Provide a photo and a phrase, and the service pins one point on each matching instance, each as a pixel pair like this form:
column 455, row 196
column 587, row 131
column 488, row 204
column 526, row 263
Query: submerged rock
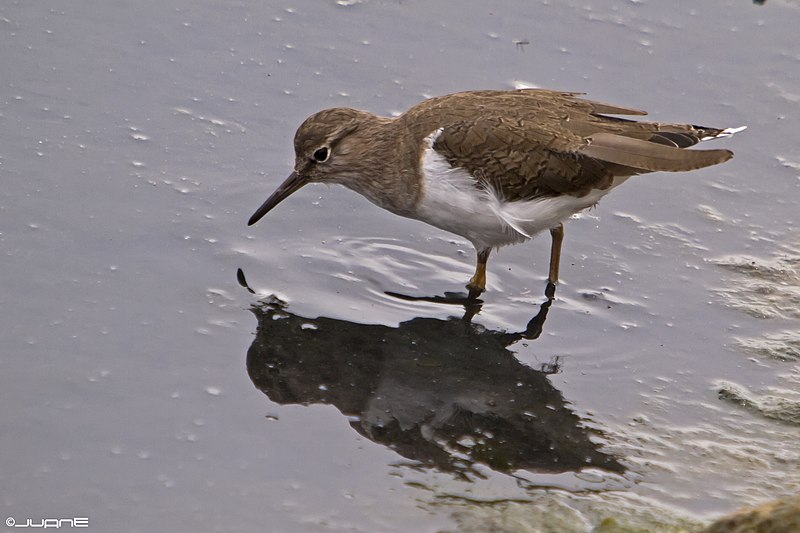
column 781, row 516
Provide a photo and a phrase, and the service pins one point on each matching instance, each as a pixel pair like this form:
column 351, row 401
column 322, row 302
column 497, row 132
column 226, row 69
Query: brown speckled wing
column 519, row 161
column 532, row 143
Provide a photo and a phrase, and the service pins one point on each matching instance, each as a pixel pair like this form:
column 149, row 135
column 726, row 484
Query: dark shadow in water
column 445, row 393
column 472, row 305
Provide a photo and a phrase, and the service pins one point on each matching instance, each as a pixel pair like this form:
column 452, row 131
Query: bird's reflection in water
column 447, row 394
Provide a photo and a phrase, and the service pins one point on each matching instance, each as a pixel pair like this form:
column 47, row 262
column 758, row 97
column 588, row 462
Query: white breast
column 452, row 202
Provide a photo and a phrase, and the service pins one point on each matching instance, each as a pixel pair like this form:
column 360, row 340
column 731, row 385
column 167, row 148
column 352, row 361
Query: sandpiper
column 496, row 167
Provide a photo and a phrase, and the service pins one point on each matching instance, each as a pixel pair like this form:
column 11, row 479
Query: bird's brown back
column 534, row 142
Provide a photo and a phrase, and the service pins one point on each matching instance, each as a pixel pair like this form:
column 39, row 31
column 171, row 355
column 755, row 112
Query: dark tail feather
column 651, row 156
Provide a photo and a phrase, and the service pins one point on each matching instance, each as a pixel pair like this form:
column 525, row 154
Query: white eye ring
column 321, row 155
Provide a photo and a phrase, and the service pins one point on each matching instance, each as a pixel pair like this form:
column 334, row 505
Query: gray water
column 144, row 388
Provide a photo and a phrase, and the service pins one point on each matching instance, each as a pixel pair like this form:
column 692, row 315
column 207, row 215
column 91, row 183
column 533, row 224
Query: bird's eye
column 320, row 154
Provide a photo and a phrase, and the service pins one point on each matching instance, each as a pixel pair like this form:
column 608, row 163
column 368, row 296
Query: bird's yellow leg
column 557, row 234
column 477, row 284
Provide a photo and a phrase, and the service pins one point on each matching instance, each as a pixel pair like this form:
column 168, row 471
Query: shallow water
column 145, row 388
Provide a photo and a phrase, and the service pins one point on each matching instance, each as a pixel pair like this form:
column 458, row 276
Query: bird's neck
column 385, row 165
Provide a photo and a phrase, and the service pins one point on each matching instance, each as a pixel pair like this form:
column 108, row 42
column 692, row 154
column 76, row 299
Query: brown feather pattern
column 533, row 142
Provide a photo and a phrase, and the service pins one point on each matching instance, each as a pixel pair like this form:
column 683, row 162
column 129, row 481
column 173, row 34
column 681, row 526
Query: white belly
column 453, row 203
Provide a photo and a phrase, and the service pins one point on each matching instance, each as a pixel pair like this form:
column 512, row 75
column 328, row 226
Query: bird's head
column 330, row 147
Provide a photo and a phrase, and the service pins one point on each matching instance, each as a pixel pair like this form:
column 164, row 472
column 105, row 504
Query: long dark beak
column 292, row 183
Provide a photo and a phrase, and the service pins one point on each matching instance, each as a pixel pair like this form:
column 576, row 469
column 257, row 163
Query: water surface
column 145, row 388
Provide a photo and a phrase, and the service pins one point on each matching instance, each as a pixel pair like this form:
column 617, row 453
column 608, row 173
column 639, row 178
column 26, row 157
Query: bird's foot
column 550, row 290
column 474, row 291
column 477, row 283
